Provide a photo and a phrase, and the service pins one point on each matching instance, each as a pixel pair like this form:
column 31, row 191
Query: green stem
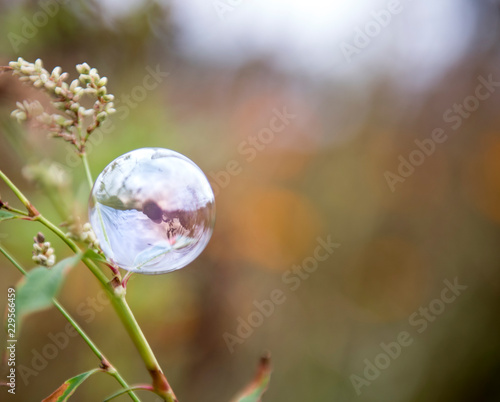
column 85, row 161
column 15, row 210
column 109, row 368
column 160, row 383
column 31, row 210
column 13, row 261
column 117, row 296
column 105, row 362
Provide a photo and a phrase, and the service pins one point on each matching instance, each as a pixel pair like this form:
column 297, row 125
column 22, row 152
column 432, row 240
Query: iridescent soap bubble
column 152, row 210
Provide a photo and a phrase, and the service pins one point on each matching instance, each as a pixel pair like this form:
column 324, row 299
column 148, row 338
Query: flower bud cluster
column 66, row 124
column 43, row 253
column 84, row 234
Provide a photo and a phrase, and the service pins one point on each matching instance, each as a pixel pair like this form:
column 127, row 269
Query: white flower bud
column 51, row 260
column 21, row 116
column 58, row 119
column 101, row 117
column 103, row 81
column 84, row 78
column 27, row 70
column 56, row 72
column 60, row 105
column 83, row 68
column 73, row 86
column 50, row 85
column 45, row 118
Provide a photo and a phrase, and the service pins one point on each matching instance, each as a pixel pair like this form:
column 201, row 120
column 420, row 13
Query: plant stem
column 15, row 210
column 160, row 383
column 109, row 368
column 105, row 362
column 85, row 161
column 30, row 208
column 13, row 261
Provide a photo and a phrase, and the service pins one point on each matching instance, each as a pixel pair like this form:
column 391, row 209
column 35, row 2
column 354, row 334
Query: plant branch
column 106, row 365
column 7, row 207
column 13, row 261
column 160, row 383
column 30, row 208
column 117, row 296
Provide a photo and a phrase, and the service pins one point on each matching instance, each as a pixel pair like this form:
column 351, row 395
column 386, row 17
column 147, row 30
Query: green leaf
column 67, row 389
column 37, row 289
column 254, row 391
column 6, row 215
column 93, row 255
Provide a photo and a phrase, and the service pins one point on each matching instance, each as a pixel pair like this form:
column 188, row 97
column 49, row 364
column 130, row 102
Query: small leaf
column 63, row 393
column 94, row 256
column 254, row 391
column 37, row 289
column 6, row 215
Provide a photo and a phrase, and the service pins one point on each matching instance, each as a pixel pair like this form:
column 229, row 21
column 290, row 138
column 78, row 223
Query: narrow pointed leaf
column 254, row 391
column 5, row 215
column 37, row 289
column 67, row 389
column 94, row 256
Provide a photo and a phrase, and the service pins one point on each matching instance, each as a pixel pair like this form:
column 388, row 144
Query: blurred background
column 357, row 85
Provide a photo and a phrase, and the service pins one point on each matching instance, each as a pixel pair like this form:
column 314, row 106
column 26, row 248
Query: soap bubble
column 152, row 210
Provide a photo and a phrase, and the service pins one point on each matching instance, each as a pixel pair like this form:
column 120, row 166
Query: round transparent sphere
column 152, row 210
